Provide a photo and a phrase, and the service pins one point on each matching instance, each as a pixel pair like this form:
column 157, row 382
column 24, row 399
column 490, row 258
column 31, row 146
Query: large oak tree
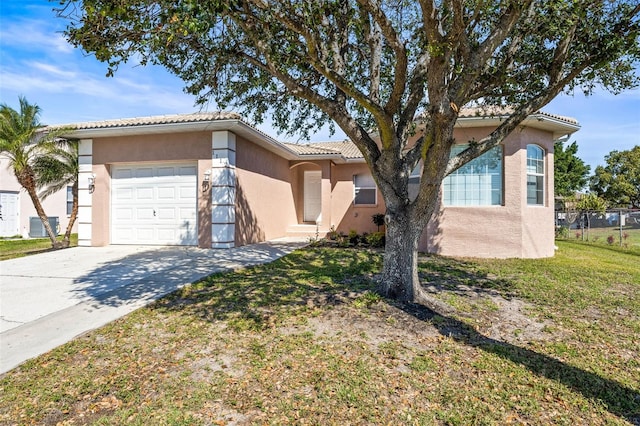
column 399, row 67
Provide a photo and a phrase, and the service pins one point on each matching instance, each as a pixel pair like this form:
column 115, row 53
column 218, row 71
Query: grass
column 610, row 236
column 304, row 340
column 11, row 249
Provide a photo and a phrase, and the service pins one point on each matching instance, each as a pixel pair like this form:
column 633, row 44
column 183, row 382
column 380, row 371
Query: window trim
column 357, row 188
column 537, row 174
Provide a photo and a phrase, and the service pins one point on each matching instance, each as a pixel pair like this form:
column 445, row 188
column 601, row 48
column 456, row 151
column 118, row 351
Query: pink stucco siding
column 514, row 229
column 54, row 206
column 265, row 204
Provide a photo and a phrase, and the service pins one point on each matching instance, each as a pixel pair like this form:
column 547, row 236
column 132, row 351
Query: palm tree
column 57, row 168
column 19, row 132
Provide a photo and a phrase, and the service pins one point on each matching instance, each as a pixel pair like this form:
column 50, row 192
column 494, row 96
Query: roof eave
column 557, row 127
column 233, row 125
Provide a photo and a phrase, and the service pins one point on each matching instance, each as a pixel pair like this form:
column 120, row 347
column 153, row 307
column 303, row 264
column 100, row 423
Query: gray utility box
column 36, row 228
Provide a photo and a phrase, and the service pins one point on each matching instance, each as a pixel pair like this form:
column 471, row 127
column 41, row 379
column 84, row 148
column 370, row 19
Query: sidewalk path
column 49, row 298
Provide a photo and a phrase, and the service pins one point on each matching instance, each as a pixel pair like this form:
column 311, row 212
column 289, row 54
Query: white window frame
column 369, row 185
column 536, row 168
column 456, row 193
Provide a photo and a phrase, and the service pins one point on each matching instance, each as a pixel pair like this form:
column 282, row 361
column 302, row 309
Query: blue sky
column 70, row 86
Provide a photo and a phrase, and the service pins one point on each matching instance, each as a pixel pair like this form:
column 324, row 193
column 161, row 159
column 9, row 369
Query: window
column 365, row 190
column 477, row 183
column 414, row 182
column 535, row 175
column 69, row 200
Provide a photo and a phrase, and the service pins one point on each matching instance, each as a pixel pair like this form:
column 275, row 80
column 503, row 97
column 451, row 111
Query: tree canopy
column 571, row 174
column 381, row 70
column 618, row 181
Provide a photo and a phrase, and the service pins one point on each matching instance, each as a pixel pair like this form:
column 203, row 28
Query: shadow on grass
column 255, row 298
column 616, row 398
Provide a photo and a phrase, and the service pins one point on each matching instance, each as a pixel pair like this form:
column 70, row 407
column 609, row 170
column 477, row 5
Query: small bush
column 378, row 220
column 611, row 239
column 376, row 239
column 354, row 238
column 562, row 232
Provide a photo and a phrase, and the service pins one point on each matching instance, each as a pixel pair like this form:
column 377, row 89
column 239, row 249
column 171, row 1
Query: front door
column 312, row 195
column 9, row 214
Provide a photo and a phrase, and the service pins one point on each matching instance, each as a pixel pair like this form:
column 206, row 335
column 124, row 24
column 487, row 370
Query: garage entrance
column 154, row 204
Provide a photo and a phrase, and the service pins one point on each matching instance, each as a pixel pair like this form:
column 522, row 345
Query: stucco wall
column 345, row 215
column 511, row 230
column 264, row 197
column 54, row 205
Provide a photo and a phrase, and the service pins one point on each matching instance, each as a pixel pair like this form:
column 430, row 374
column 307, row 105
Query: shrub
column 378, row 220
column 354, row 238
column 376, row 239
column 562, row 232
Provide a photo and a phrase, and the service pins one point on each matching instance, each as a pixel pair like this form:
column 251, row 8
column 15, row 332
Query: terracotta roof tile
column 158, row 119
column 347, row 148
column 495, row 111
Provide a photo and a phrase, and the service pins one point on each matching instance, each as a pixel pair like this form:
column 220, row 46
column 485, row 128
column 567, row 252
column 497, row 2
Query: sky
column 71, row 86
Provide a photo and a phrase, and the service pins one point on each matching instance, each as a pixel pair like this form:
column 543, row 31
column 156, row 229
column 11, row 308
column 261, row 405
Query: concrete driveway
column 48, row 299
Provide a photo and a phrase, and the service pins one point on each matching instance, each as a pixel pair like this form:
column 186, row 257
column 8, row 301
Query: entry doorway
column 312, row 195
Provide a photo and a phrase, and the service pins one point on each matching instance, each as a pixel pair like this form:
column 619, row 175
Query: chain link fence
column 613, row 227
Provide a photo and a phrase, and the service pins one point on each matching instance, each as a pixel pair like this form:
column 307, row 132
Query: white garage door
column 154, row 204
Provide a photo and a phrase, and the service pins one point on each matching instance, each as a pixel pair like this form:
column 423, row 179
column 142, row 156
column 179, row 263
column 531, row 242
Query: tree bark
column 400, row 272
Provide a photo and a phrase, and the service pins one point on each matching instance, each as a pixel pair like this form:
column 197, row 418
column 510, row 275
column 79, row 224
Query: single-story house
column 212, row 180
column 18, row 217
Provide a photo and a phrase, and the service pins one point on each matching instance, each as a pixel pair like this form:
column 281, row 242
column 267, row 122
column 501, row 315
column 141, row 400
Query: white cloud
column 30, row 34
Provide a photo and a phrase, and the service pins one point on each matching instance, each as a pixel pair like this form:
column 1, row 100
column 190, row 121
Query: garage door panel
column 187, row 214
column 167, row 193
column 143, row 213
column 144, row 172
column 167, row 213
column 154, row 204
column 187, row 193
column 122, row 173
column 122, row 193
column 124, row 213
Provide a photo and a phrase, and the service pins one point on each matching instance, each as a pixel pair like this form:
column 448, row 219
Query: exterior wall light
column 92, row 183
column 206, row 180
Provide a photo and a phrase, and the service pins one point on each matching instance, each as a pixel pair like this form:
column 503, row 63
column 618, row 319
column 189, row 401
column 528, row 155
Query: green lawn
column 10, row 249
column 609, row 236
column 304, row 340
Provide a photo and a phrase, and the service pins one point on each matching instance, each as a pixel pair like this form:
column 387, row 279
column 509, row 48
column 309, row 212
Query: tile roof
column 347, row 148
column 495, row 111
column 309, row 149
column 158, row 119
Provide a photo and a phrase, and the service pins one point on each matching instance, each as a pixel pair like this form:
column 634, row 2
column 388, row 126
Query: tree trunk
column 400, row 272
